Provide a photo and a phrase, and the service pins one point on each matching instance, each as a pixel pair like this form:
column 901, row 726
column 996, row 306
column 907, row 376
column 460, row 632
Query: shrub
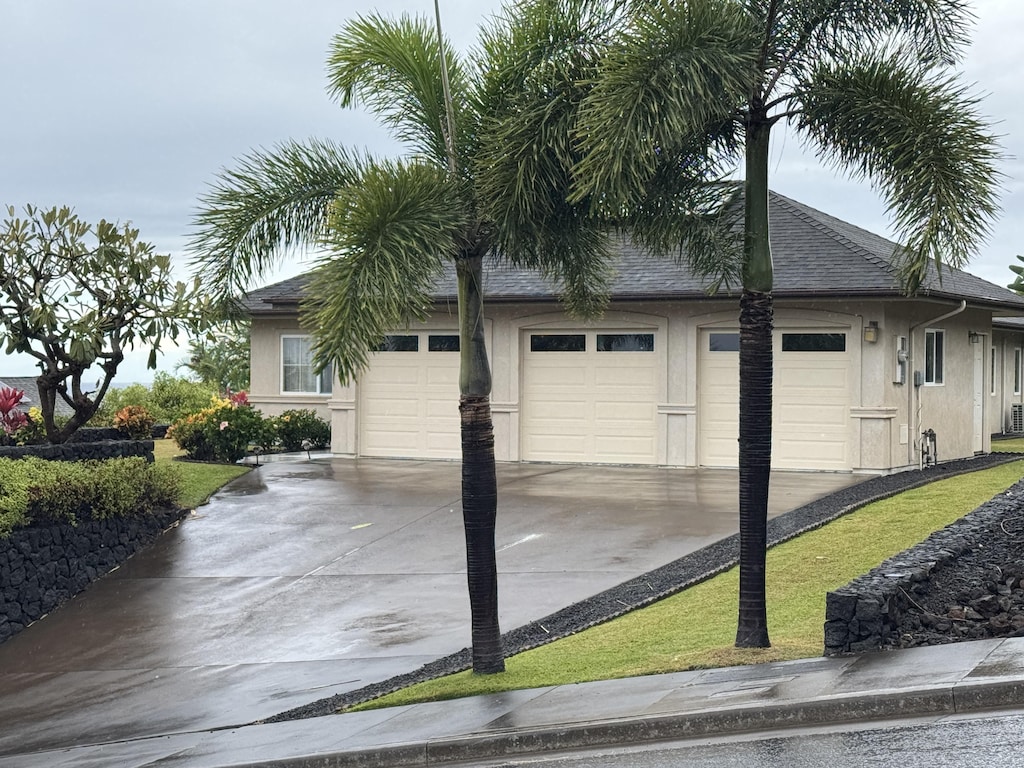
column 294, row 426
column 136, row 421
column 168, row 399
column 222, row 432
column 35, row 489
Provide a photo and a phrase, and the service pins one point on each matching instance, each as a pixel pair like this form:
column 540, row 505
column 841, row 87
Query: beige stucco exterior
column 883, row 418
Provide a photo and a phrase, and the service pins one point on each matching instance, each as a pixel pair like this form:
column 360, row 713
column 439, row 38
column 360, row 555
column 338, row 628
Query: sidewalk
column 922, row 682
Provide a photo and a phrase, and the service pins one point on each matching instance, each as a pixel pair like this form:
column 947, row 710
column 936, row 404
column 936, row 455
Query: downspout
column 912, row 394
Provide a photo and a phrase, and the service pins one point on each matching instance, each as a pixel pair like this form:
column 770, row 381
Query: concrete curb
column 929, row 700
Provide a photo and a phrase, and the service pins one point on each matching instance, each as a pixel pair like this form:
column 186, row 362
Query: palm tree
column 388, row 228
column 689, row 92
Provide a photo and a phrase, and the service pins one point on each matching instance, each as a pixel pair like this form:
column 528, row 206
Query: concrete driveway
column 305, row 579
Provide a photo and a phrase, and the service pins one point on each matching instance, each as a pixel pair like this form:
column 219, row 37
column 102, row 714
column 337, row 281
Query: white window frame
column 324, row 382
column 934, row 364
column 1018, row 371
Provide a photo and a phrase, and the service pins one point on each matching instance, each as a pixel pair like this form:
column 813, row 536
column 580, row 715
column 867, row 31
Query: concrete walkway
column 932, row 683
column 306, row 579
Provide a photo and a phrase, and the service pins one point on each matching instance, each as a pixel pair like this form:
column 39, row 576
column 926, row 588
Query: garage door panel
column 573, row 447
column 630, row 378
column 822, row 417
column 387, row 407
column 613, row 412
column 589, row 406
column 553, row 411
column 447, row 376
column 409, row 404
column 442, row 409
column 627, row 446
column 810, row 415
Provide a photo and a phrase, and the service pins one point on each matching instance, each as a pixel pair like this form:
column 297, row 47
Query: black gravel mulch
column 660, row 583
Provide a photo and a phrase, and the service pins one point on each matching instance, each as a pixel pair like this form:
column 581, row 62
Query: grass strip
column 696, row 628
column 199, row 480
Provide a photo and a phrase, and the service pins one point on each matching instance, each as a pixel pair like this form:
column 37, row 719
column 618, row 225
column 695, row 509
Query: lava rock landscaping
column 978, row 595
column 43, row 566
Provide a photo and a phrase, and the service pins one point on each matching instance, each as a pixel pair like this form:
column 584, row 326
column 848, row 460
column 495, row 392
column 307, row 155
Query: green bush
column 223, row 431
column 167, row 400
column 35, row 489
column 294, row 426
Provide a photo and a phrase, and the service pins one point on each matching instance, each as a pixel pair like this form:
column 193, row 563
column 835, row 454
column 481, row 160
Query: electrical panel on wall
column 899, row 375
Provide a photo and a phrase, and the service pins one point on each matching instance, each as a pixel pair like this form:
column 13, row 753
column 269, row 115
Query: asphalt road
column 995, row 741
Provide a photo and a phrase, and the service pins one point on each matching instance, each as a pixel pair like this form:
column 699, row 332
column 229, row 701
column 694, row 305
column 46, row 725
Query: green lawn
column 1008, row 445
column 200, row 480
column 696, row 628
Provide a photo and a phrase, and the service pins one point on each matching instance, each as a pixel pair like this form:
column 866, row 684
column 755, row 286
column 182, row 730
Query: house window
column 625, row 342
column 1017, row 371
column 934, row 354
column 297, row 372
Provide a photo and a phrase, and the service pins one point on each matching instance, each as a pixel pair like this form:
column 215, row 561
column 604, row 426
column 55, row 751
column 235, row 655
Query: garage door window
column 723, row 342
column 443, row 343
column 399, row 344
column 814, row 342
column 297, row 372
column 558, row 342
column 625, row 342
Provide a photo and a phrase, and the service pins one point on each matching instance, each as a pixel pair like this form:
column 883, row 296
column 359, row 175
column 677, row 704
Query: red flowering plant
column 11, row 419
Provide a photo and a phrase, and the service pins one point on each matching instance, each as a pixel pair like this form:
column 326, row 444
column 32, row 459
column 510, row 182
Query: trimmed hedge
column 37, row 490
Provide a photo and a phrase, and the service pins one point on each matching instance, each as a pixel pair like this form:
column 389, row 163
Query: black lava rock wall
column 43, row 566
column 959, row 583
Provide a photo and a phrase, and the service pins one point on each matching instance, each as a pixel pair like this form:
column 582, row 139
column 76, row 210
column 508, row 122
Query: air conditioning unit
column 1017, row 417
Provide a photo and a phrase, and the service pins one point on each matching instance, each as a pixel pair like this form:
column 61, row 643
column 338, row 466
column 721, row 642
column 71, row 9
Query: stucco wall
column 886, row 418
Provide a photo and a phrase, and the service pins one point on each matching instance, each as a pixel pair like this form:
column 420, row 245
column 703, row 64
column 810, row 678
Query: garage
column 810, row 415
column 589, row 397
column 409, row 397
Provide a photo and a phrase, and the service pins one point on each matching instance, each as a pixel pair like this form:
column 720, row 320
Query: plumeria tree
column 77, row 297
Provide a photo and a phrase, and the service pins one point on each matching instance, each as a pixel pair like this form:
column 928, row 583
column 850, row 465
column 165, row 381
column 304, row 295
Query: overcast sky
column 126, row 110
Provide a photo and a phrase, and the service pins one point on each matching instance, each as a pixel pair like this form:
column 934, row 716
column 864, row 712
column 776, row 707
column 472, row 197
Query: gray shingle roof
column 31, row 398
column 815, row 255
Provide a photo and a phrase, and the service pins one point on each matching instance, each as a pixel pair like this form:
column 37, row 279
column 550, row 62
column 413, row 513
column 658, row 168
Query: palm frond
column 675, row 69
column 271, row 202
column 919, row 138
column 700, row 225
column 390, row 235
column 536, row 60
column 393, row 68
column 937, row 31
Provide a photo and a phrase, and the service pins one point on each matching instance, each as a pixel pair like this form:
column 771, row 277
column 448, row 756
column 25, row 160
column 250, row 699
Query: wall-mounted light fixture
column 973, row 337
column 871, row 332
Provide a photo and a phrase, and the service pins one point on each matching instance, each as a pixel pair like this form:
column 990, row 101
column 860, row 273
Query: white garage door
column 810, row 413
column 409, row 398
column 589, row 397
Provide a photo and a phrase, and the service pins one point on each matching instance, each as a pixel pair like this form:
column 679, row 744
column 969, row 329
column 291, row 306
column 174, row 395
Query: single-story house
column 861, row 371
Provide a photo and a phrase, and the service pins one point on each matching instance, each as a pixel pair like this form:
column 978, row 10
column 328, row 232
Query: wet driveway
column 304, row 579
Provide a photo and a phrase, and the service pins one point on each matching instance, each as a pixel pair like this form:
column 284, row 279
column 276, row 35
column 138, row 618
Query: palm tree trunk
column 479, row 481
column 755, row 417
